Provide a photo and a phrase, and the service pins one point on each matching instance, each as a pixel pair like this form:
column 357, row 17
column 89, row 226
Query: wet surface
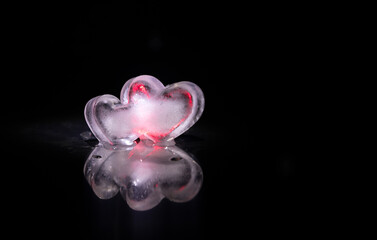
column 260, row 179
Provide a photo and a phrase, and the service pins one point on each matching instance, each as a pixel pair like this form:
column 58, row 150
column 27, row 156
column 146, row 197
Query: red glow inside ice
column 148, row 114
column 139, row 87
column 189, row 98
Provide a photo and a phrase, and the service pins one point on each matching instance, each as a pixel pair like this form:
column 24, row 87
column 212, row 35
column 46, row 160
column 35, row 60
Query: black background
column 258, row 68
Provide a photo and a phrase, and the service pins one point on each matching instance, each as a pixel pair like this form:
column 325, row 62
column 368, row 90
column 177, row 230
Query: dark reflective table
column 231, row 187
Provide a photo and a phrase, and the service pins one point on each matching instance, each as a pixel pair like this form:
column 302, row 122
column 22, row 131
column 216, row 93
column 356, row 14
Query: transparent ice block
column 146, row 110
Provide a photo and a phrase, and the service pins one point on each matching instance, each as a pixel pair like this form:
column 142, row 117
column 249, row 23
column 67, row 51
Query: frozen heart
column 146, row 110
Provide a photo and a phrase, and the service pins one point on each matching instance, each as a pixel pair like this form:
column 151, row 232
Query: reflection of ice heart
column 143, row 175
column 146, row 109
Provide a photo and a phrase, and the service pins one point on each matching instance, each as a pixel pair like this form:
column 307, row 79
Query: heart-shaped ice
column 146, row 110
column 143, row 175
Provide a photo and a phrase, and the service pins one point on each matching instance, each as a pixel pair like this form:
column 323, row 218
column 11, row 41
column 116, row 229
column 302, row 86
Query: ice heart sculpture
column 146, row 110
column 143, row 175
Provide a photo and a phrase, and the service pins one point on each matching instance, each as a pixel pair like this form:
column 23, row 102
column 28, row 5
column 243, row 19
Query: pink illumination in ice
column 146, row 110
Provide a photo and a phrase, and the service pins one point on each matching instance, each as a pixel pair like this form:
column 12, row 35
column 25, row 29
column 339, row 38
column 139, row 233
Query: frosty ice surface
column 146, row 110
